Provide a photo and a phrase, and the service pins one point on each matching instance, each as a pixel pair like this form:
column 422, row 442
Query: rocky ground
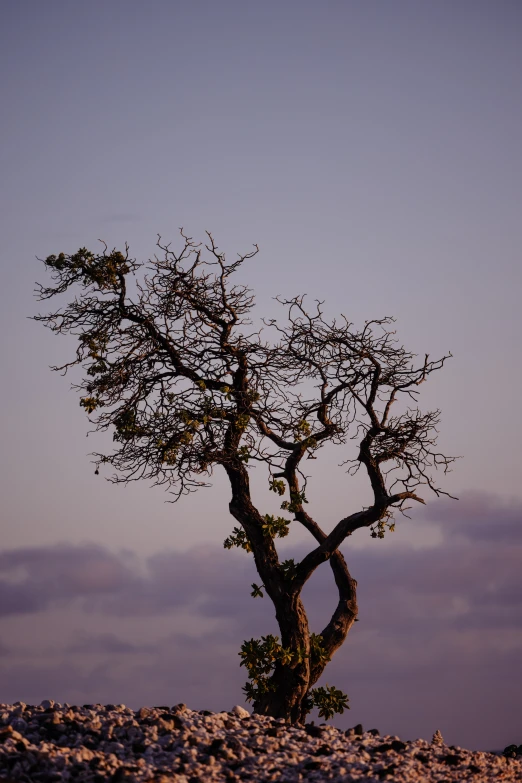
column 55, row 742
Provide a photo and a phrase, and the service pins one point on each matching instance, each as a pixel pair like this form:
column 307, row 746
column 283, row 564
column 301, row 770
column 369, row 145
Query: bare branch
column 173, row 366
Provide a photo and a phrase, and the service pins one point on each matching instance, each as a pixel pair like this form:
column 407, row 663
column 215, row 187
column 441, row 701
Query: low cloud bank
column 438, row 645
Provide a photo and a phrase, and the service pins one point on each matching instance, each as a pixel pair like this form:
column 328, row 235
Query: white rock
column 240, row 712
column 263, row 757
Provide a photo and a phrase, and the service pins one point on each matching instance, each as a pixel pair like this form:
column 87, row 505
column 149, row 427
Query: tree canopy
column 174, row 366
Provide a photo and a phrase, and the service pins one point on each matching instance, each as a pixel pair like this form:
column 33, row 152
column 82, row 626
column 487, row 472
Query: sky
column 372, row 151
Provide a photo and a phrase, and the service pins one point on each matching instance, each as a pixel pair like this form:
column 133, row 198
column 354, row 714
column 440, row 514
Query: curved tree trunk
column 345, row 614
column 292, row 682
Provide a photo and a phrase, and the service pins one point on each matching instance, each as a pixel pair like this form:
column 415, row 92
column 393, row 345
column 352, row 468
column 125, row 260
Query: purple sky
column 372, row 150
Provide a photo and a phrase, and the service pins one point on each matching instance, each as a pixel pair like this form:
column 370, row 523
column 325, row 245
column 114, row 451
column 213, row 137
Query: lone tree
column 174, row 367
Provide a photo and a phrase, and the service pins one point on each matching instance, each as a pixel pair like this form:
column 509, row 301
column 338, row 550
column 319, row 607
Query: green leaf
column 275, row 526
column 243, row 453
column 239, row 539
column 289, row 569
column 89, row 403
column 278, row 486
column 329, row 700
column 317, row 652
column 296, row 500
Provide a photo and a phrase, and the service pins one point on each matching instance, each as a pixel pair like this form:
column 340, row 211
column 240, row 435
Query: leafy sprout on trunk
column 174, row 368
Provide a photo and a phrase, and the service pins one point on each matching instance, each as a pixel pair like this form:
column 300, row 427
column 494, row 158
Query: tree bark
column 345, row 614
column 291, row 682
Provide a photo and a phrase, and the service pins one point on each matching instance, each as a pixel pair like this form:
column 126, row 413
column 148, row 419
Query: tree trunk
column 290, row 682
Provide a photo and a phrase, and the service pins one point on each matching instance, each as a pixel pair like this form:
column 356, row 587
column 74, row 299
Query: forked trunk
column 292, row 684
column 291, row 681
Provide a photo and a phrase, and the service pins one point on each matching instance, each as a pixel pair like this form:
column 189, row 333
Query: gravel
column 55, row 742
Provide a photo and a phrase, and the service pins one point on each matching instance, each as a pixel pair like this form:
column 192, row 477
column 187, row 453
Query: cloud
column 4, row 650
column 439, row 637
column 34, row 578
column 106, row 644
column 469, row 579
column 478, row 516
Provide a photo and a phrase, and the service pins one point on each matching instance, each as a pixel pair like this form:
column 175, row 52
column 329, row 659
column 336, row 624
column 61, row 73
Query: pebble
column 240, row 712
column 114, row 744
